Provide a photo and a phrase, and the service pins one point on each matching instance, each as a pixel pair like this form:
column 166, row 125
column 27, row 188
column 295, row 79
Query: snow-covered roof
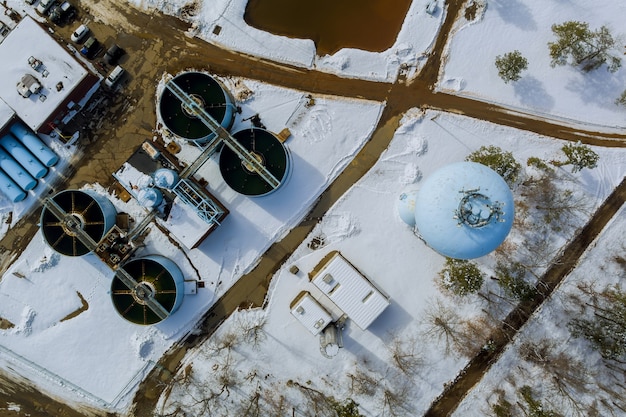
column 6, row 113
column 310, row 313
column 458, row 190
column 185, row 225
column 350, row 290
column 58, row 72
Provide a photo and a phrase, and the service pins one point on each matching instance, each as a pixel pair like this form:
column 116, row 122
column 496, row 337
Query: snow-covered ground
column 363, row 225
column 120, row 352
column 415, row 38
column 578, row 368
column 564, row 92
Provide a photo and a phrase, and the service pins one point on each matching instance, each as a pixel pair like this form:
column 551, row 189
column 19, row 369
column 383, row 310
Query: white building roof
column 6, row 113
column 437, row 207
column 185, row 225
column 27, row 40
column 350, row 290
column 310, row 313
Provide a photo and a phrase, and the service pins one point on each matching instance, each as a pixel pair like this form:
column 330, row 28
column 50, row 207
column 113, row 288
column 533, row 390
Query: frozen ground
column 415, row 38
column 365, row 227
column 564, row 92
column 583, row 369
column 98, row 340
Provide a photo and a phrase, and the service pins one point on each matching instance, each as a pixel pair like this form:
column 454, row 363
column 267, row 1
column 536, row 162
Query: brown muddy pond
column 370, row 25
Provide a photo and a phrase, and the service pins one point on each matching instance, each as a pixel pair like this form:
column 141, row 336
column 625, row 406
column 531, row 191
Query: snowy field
column 365, row 227
column 578, row 367
column 62, row 356
column 415, row 38
column 97, row 339
column 564, row 91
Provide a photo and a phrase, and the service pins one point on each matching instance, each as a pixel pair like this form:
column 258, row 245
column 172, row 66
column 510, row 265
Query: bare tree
column 396, row 398
column 443, row 323
column 251, row 326
column 362, row 383
column 405, row 355
column 317, row 403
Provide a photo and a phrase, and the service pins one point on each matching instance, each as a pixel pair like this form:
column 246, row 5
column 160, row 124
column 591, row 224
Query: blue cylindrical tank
column 10, row 189
column 16, row 172
column 22, row 155
column 165, row 178
column 149, row 197
column 34, row 144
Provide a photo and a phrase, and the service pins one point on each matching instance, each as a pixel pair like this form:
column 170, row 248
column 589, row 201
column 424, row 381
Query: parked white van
column 114, row 76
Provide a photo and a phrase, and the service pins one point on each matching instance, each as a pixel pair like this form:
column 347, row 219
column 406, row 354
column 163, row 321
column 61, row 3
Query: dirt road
column 157, row 43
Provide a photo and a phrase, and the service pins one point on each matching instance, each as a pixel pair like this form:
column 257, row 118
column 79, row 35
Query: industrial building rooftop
column 43, row 82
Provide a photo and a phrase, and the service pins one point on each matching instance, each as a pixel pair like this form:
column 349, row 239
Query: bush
column 461, row 277
column 579, row 156
column 510, row 65
column 500, row 161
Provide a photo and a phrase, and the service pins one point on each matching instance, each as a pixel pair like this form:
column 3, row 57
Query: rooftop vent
column 34, row 63
column 28, row 85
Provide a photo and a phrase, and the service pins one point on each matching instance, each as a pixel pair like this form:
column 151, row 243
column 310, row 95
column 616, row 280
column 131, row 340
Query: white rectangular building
column 40, row 80
column 310, row 313
column 350, row 290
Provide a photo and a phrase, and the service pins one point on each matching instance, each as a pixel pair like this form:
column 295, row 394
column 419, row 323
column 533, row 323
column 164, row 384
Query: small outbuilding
column 310, row 312
column 349, row 289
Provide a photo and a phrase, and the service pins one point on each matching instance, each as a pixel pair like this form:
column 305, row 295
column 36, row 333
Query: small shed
column 349, row 289
column 310, row 313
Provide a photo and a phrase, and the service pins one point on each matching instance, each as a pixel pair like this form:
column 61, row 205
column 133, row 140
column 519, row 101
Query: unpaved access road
column 156, row 44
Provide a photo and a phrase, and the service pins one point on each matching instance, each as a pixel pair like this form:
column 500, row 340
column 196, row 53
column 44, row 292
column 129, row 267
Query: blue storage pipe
column 10, row 189
column 16, row 172
column 22, row 155
column 34, row 144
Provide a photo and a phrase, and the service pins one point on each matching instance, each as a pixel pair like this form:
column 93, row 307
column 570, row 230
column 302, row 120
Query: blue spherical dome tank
column 406, row 206
column 165, row 178
column 464, row 210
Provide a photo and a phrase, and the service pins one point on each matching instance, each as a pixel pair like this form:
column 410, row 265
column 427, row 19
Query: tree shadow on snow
column 532, row 93
column 515, row 12
column 599, row 87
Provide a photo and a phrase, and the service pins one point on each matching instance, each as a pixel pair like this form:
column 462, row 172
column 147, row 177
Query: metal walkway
column 73, row 226
column 207, row 210
column 222, row 135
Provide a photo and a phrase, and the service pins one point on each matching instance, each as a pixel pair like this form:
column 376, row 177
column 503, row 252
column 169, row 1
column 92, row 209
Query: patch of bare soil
column 84, row 307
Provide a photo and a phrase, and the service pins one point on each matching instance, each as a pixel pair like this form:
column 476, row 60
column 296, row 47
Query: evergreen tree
column 500, row 161
column 511, row 278
column 581, row 46
column 606, row 329
column 461, row 277
column 510, row 65
column 579, row 156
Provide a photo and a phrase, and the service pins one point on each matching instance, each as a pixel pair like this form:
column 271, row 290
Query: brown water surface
column 370, row 25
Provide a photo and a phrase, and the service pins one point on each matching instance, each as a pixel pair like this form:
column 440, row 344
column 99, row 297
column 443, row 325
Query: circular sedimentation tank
column 464, row 210
column 267, row 150
column 88, row 212
column 157, row 279
column 205, row 91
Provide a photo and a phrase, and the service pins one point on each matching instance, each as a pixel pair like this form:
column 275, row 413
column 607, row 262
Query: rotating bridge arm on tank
column 71, row 223
column 222, row 135
column 149, row 300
